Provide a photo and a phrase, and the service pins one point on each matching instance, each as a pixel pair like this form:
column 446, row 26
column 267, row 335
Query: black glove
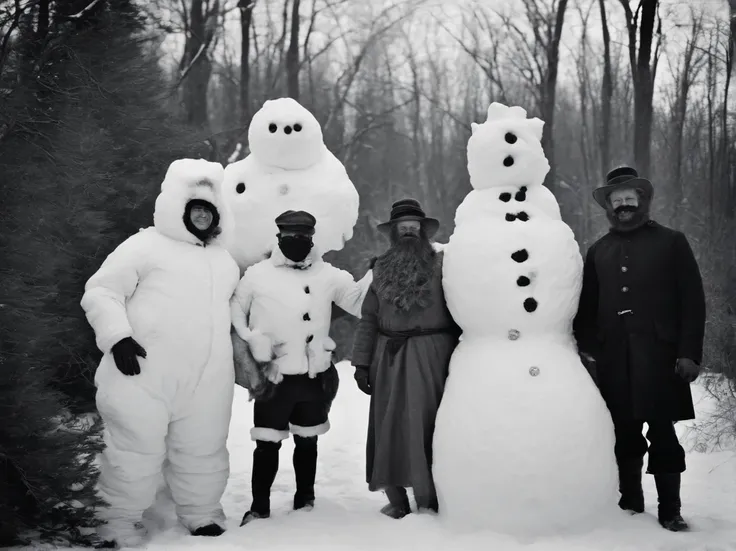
column 125, row 353
column 687, row 369
column 330, row 383
column 361, row 377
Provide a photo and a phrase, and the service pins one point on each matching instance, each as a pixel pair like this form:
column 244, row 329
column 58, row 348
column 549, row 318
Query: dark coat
column 409, row 357
column 642, row 306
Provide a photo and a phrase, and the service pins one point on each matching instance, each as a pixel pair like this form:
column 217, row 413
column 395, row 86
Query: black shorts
column 299, row 405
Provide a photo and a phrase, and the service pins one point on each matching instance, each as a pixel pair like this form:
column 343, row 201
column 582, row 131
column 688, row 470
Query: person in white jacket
column 282, row 309
column 159, row 307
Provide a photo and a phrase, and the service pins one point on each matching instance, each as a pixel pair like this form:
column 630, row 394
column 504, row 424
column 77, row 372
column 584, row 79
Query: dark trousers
column 666, row 455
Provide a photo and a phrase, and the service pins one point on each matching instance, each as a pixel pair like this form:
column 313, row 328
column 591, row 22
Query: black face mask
column 295, row 247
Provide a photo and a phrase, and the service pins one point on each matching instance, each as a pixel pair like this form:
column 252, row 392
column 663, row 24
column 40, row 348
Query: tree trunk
column 729, row 201
column 292, row 55
column 606, row 95
column 549, row 88
column 196, row 67
column 642, row 67
column 246, row 17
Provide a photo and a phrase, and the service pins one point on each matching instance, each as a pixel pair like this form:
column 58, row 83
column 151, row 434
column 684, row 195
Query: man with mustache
column 402, row 352
column 640, row 324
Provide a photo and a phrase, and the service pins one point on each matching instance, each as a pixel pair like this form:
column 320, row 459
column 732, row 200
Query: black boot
column 265, row 467
column 305, row 470
column 629, row 484
column 398, row 503
column 211, row 530
column 668, row 491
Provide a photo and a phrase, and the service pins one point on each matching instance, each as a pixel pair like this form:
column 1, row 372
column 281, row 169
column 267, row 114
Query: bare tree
column 246, row 18
column 606, row 93
column 643, row 71
column 292, row 54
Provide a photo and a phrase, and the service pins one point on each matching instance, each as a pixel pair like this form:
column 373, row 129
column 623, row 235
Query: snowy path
column 346, row 515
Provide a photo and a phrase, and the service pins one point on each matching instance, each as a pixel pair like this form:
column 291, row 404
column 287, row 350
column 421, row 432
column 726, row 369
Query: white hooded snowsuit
column 170, row 292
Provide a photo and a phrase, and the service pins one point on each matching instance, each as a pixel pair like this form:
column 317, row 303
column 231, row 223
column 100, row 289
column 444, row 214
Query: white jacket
column 277, row 304
column 171, row 293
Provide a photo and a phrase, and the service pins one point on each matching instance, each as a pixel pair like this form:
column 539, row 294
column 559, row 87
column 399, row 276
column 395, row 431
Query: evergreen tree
column 85, row 142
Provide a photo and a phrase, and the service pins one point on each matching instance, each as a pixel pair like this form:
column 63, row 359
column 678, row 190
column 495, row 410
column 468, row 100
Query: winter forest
column 97, row 97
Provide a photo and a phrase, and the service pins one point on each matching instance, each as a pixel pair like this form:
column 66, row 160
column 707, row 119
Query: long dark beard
column 402, row 275
column 638, row 219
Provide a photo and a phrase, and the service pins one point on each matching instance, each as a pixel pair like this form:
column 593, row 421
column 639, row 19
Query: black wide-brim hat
column 406, row 210
column 624, row 177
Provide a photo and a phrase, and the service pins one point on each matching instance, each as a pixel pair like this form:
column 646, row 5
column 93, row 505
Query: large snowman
column 289, row 168
column 523, row 442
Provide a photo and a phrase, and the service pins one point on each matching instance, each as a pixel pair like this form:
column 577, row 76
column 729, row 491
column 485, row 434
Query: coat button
column 624, row 269
column 309, row 338
column 534, row 371
column 514, row 334
column 624, row 289
column 306, row 317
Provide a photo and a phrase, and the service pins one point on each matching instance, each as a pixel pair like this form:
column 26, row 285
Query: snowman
column 289, row 168
column 523, row 443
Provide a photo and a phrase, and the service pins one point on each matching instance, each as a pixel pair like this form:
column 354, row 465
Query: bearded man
column 402, row 352
column 640, row 322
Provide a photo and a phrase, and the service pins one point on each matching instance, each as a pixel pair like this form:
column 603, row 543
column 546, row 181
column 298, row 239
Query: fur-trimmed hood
column 188, row 179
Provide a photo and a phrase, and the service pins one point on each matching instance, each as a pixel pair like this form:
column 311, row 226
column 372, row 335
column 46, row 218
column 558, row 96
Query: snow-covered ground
column 346, row 515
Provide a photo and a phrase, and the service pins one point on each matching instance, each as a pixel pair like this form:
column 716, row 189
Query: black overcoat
column 642, row 306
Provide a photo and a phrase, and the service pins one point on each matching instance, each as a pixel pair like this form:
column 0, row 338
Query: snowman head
column 283, row 134
column 506, row 149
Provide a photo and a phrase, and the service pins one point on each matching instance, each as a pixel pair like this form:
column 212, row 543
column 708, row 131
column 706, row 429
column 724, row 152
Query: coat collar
column 313, row 259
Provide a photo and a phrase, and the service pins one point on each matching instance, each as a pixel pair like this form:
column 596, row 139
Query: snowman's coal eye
column 240, row 188
column 508, row 161
column 510, row 137
column 297, row 127
column 272, row 128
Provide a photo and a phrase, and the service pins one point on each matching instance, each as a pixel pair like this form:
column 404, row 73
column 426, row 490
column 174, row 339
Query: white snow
column 346, row 515
column 287, row 171
column 521, row 427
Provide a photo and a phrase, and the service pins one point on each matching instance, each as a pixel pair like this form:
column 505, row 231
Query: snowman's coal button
column 287, row 129
column 284, row 189
column 306, row 289
column 508, row 161
column 309, row 338
column 505, row 197
column 521, row 194
column 522, row 216
column 534, row 371
column 514, row 334
column 240, row 188
column 523, row 281
column 530, row 305
column 510, row 217
column 510, row 137
column 520, row 256
column 306, row 317
column 272, row 128
column 297, row 127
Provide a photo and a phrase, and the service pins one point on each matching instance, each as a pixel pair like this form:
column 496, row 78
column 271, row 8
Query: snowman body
column 289, row 168
column 523, row 441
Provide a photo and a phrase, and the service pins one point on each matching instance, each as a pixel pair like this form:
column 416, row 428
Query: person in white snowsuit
column 282, row 309
column 159, row 307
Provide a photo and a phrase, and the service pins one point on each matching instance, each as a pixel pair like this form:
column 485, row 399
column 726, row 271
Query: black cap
column 297, row 221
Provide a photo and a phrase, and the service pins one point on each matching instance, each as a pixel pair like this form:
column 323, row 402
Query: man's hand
column 687, row 369
column 273, row 374
column 361, row 377
column 126, row 352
